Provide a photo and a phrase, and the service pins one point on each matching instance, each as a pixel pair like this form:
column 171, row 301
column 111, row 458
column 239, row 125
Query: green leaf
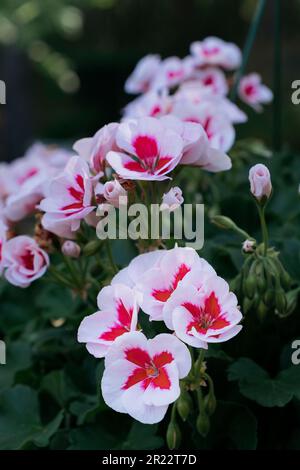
column 59, row 386
column 56, row 302
column 20, row 422
column 142, row 437
column 18, row 357
column 92, row 437
column 256, row 384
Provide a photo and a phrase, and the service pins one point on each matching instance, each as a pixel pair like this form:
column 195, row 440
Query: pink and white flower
column 197, row 150
column 113, row 192
column 171, row 72
column 172, row 199
column 214, row 79
column 159, row 283
column 153, row 104
column 118, row 314
column 253, row 92
column 71, row 249
column 94, row 149
column 260, row 181
column 24, row 261
column 202, row 310
column 142, row 76
column 216, row 52
column 69, row 199
column 150, row 150
column 218, row 128
column 141, row 376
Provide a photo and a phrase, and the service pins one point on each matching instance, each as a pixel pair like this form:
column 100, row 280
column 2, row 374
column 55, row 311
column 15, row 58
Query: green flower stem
column 110, row 257
column 248, row 45
column 264, row 229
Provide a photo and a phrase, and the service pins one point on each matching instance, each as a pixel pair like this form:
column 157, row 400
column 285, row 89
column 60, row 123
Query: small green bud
column 280, row 301
column 262, row 310
column 92, row 247
column 203, row 423
column 184, row 405
column 247, row 304
column 269, row 297
column 210, row 403
column 173, row 436
column 249, row 286
column 285, row 279
column 223, row 222
column 261, row 283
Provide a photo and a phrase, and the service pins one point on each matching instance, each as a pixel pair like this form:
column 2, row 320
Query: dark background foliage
column 49, row 388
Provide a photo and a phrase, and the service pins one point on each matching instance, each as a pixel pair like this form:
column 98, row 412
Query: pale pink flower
column 150, row 150
column 69, row 199
column 172, row 199
column 141, row 376
column 152, row 104
column 24, row 261
column 171, row 72
column 141, row 78
column 217, row 126
column 248, row 246
column 118, row 313
column 71, row 249
column 253, row 92
column 197, row 150
column 113, row 192
column 158, row 284
column 138, row 267
column 94, row 149
column 260, row 181
column 214, row 79
column 202, row 310
column 216, row 52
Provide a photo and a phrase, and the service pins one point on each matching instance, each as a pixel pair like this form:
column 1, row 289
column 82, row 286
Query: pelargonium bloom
column 150, row 150
column 24, row 261
column 171, row 72
column 141, row 376
column 253, row 92
column 152, row 103
column 215, row 51
column 172, row 199
column 217, row 126
column 202, row 310
column 94, row 149
column 118, row 310
column 197, row 149
column 141, row 78
column 260, row 181
column 214, row 79
column 159, row 283
column 69, row 199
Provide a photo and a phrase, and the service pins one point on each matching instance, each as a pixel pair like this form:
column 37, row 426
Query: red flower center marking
column 27, row 260
column 151, row 371
column 210, row 51
column 121, row 326
column 249, row 90
column 148, row 159
column 29, row 174
column 77, row 195
column 172, row 74
column 206, row 124
column 208, row 317
column 155, row 110
column 164, row 294
column 208, row 80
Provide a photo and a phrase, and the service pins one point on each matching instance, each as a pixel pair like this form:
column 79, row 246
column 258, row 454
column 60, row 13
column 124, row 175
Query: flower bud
column 223, row 222
column 92, row 247
column 71, row 249
column 210, row 403
column 248, row 246
column 173, row 436
column 172, row 199
column 203, row 424
column 114, row 193
column 184, row 405
column 260, row 181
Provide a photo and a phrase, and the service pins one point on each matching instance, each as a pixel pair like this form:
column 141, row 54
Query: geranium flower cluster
column 176, row 286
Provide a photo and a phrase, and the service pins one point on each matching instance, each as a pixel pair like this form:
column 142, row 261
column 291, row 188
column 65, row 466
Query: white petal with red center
column 113, row 380
column 134, row 341
column 172, row 345
column 163, row 388
column 135, row 407
column 181, row 319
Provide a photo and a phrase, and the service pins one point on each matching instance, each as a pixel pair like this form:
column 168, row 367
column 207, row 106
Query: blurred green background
column 65, row 61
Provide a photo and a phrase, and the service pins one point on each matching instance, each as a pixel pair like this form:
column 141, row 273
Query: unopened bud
column 223, row 222
column 184, row 405
column 260, row 181
column 71, row 249
column 92, row 247
column 173, row 436
column 210, row 403
column 203, row 423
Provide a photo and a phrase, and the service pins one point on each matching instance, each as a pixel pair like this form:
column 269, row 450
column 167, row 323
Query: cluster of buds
column 263, row 283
